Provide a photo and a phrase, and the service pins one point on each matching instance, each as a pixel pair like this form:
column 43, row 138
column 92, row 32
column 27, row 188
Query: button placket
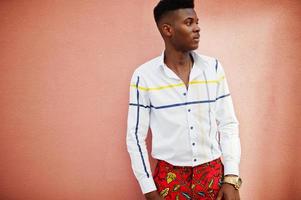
column 189, row 112
column 190, row 125
column 191, row 128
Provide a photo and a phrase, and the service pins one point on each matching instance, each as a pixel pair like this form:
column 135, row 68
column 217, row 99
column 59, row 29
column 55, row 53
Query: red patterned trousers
column 189, row 183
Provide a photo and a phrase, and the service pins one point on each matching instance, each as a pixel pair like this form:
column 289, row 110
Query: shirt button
column 189, row 110
column 193, row 144
column 184, row 93
column 191, row 127
column 194, row 160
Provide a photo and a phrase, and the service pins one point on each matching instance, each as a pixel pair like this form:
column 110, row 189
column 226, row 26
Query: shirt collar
column 198, row 66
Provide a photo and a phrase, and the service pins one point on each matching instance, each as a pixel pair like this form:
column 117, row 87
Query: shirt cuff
column 231, row 167
column 147, row 185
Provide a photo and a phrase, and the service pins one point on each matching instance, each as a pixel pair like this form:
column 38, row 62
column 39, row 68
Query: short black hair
column 165, row 6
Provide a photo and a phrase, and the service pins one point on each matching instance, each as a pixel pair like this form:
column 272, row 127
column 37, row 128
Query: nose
column 197, row 28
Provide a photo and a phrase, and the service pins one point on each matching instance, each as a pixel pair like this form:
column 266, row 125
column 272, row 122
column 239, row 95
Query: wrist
column 231, row 175
column 233, row 180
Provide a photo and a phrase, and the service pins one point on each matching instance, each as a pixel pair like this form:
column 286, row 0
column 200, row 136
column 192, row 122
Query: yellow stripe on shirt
column 176, row 85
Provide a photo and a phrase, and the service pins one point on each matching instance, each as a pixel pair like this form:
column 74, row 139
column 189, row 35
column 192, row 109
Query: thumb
column 219, row 195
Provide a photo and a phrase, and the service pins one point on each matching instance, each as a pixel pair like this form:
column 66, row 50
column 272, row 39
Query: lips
column 196, row 38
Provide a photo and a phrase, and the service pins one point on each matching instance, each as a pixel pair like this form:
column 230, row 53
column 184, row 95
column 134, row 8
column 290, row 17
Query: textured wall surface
column 65, row 68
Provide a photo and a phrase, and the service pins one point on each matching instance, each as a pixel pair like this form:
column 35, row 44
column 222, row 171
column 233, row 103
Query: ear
column 166, row 30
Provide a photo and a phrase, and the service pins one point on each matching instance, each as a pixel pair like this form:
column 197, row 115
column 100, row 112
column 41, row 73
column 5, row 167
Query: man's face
column 185, row 30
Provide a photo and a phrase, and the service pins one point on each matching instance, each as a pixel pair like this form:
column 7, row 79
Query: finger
column 226, row 197
column 219, row 195
column 238, row 196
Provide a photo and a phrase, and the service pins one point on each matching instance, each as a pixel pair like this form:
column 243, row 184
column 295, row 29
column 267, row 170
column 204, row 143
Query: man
column 184, row 98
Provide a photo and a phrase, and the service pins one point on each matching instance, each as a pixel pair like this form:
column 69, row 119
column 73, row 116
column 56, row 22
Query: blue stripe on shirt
column 136, row 130
column 178, row 104
column 216, row 65
column 226, row 95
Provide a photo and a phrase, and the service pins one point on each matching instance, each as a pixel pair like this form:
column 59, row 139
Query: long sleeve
column 137, row 128
column 227, row 126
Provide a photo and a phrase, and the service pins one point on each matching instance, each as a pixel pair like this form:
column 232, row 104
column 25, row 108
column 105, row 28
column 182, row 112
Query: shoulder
column 147, row 71
column 205, row 58
column 149, row 68
column 209, row 62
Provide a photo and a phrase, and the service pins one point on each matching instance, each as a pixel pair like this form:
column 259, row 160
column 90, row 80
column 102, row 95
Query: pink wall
column 65, row 70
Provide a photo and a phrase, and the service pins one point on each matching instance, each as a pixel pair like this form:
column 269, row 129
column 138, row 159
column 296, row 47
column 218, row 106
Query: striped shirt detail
column 189, row 126
column 179, row 104
column 216, row 64
column 194, row 82
column 136, row 129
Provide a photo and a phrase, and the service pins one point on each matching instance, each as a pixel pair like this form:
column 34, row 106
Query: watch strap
column 233, row 180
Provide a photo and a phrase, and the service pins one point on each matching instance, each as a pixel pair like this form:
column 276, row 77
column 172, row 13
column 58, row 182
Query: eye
column 188, row 23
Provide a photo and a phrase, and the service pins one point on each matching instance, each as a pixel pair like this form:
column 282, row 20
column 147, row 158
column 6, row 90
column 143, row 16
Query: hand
column 228, row 192
column 153, row 196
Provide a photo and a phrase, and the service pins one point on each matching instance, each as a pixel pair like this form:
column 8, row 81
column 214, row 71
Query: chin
column 194, row 47
column 191, row 47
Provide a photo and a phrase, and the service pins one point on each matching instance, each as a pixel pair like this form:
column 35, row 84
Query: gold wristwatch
column 233, row 180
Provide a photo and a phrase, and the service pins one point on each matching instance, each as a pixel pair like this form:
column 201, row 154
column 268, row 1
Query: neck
column 176, row 59
column 179, row 62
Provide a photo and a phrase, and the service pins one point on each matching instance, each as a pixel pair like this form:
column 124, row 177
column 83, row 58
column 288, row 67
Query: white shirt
column 189, row 126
